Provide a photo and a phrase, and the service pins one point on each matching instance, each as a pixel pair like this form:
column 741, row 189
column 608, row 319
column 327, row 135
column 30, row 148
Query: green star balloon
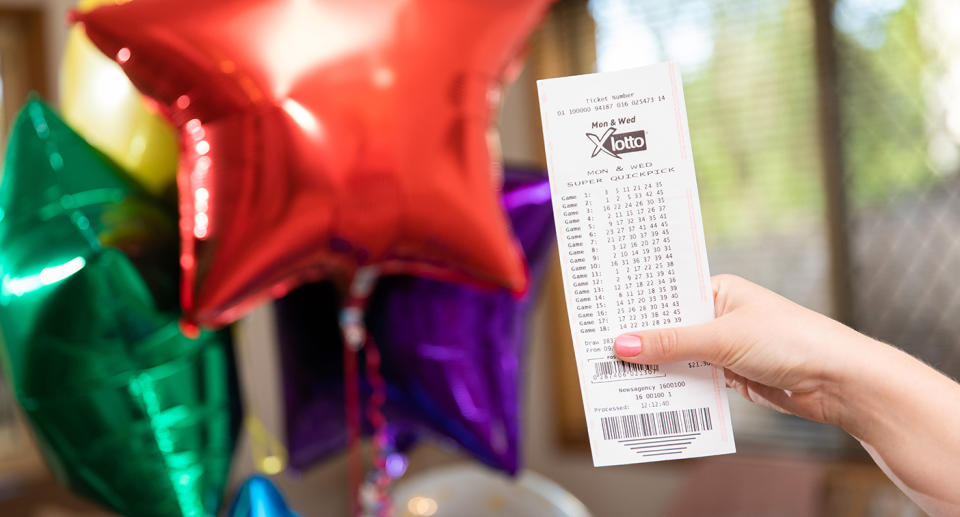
column 127, row 409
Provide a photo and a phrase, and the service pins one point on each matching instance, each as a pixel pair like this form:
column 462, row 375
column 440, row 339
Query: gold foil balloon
column 101, row 104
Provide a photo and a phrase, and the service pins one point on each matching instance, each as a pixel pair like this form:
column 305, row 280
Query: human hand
column 780, row 355
column 774, row 352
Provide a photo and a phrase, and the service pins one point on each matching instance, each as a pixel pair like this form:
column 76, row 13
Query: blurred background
column 827, row 142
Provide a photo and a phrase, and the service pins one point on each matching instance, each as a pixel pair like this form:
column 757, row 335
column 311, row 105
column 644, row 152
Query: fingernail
column 628, row 345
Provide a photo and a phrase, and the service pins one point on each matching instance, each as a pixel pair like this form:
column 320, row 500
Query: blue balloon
column 258, row 497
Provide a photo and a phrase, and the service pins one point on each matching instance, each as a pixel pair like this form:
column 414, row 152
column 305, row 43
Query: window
column 827, row 142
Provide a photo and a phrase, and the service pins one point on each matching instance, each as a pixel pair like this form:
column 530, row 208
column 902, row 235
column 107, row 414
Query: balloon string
column 378, row 396
column 355, row 337
column 351, row 381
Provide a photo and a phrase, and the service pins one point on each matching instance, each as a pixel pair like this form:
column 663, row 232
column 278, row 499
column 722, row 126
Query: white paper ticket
column 633, row 257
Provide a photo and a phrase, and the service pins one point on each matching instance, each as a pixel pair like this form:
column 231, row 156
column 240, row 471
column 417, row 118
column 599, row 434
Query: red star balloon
column 319, row 136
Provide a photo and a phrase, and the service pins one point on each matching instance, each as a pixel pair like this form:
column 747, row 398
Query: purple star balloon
column 451, row 353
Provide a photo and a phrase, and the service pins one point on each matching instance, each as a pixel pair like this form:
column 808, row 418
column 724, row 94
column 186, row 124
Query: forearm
column 907, row 415
column 783, row 356
column 932, row 505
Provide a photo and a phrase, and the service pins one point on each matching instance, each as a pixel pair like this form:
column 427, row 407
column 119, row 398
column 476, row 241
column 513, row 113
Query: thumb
column 667, row 345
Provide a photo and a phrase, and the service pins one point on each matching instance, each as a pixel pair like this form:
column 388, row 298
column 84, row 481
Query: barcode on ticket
column 646, row 425
column 612, row 370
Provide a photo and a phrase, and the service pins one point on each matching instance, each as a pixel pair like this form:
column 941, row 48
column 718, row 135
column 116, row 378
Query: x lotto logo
column 615, row 144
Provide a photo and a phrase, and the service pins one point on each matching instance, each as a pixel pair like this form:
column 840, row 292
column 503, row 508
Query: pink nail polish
column 628, row 345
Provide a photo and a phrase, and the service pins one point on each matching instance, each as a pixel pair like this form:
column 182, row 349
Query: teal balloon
column 127, row 409
column 258, row 497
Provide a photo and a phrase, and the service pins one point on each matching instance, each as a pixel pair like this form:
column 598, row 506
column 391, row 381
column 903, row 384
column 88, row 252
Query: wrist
column 878, row 390
column 859, row 386
column 904, row 413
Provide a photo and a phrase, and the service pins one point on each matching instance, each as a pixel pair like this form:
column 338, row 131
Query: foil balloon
column 451, row 353
column 321, row 136
column 126, row 409
column 258, row 497
column 101, row 104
